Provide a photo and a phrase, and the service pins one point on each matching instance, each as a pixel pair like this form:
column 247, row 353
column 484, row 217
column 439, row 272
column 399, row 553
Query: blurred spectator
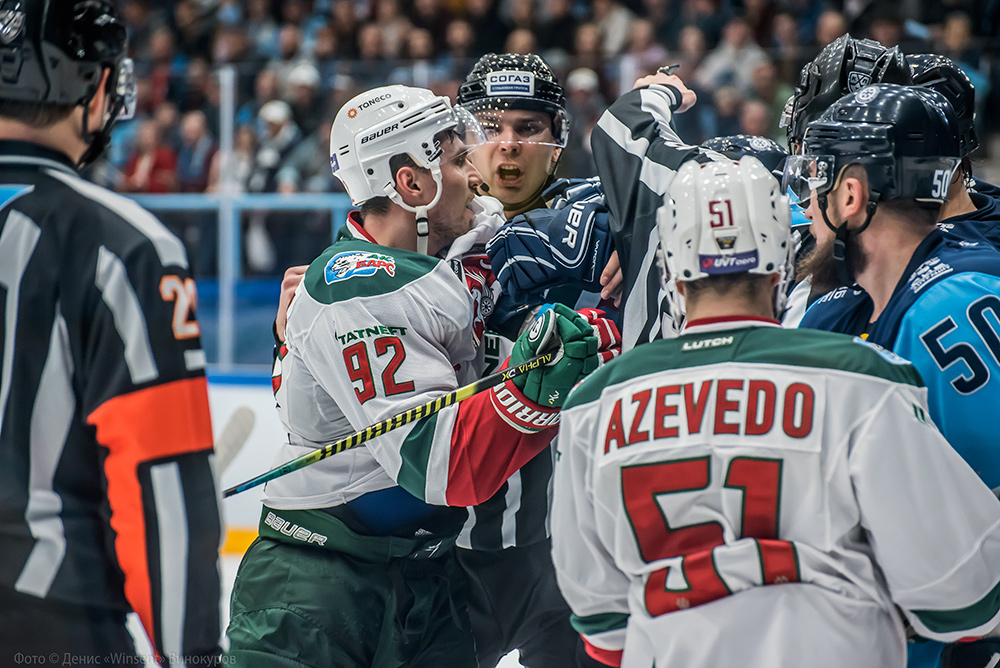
column 265, row 90
column 240, row 165
column 458, row 57
column 707, row 15
column 767, row 88
column 755, row 119
column 280, row 137
column 485, row 20
column 957, row 40
column 585, row 105
column 521, row 15
column 261, row 28
column 371, row 67
column 432, row 16
column 302, row 94
column 276, row 144
column 614, row 20
column 164, row 69
column 733, row 61
column 787, row 49
column 587, row 50
column 344, row 22
column 152, row 167
column 760, row 17
column 196, row 153
column 520, row 40
column 556, row 25
column 393, row 25
column 642, row 49
column 888, row 28
column 168, row 119
column 418, row 68
column 326, row 56
column 728, row 108
column 138, row 19
column 194, row 35
column 289, row 52
column 193, row 91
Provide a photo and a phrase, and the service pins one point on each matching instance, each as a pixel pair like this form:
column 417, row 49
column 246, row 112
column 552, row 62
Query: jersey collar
column 722, row 323
column 14, row 152
column 357, row 228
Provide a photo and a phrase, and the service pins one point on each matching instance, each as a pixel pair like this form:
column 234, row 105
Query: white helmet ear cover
column 723, row 218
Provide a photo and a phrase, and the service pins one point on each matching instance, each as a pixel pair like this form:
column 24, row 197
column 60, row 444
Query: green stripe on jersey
column 600, row 623
column 416, row 452
column 975, row 615
column 357, row 268
column 749, row 345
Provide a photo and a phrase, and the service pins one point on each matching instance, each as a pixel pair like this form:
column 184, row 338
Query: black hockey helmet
column 55, row 52
column 734, row 147
column 901, row 135
column 499, row 82
column 940, row 73
column 844, row 66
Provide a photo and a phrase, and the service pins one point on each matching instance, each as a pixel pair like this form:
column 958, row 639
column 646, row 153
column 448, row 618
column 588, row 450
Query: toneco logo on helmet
column 510, row 82
column 380, row 133
column 379, row 98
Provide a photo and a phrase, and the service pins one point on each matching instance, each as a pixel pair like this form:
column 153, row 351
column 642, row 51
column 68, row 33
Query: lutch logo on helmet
column 357, row 263
column 510, row 82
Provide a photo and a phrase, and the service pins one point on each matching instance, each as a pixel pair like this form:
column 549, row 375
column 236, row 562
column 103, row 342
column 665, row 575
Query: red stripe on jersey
column 486, row 450
column 153, row 423
column 608, row 657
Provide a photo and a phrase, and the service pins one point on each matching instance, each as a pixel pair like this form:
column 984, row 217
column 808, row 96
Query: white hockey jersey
column 372, row 332
column 746, row 495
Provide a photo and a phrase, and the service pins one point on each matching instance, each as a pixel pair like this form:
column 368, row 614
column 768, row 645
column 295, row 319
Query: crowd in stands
column 298, row 61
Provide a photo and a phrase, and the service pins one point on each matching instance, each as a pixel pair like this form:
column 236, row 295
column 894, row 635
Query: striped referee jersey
column 107, row 494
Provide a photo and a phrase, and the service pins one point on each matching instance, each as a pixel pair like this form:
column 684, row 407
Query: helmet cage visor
column 502, row 124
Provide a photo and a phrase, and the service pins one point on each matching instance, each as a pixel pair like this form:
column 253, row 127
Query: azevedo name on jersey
column 741, row 407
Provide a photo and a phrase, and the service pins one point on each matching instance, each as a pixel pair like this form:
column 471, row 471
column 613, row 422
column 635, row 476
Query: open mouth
column 508, row 173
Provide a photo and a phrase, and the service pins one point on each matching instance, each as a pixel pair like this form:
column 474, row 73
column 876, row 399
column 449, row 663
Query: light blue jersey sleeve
column 952, row 335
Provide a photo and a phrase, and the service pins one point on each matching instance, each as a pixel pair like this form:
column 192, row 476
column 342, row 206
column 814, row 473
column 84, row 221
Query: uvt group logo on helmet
column 357, row 263
column 728, row 264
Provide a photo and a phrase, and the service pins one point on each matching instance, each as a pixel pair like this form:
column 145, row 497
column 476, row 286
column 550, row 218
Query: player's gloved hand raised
column 567, row 243
column 574, row 345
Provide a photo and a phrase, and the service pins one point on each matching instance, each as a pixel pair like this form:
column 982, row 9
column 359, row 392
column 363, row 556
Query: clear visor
column 520, row 122
column 786, row 113
column 808, row 175
column 125, row 89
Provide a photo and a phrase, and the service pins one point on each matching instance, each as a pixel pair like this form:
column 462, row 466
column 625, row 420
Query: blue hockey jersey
column 944, row 316
column 981, row 224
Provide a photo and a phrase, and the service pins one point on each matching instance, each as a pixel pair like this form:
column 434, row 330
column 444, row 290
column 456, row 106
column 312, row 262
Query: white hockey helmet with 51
column 725, row 218
column 388, row 121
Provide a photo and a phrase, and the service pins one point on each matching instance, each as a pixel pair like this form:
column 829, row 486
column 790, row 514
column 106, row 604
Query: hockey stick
column 233, row 437
column 387, row 425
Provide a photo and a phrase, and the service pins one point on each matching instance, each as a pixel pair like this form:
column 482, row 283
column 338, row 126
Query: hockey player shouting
column 355, row 564
column 522, row 108
column 748, row 495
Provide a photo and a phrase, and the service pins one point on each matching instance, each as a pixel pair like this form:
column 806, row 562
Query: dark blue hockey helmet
column 901, row 135
column 940, row 73
column 844, row 66
column 734, row 147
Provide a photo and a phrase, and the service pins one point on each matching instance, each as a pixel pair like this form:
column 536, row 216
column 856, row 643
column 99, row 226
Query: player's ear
column 410, row 184
column 556, row 154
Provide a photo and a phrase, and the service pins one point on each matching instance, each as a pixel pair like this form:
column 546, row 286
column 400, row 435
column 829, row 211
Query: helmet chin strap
column 423, row 226
column 841, row 260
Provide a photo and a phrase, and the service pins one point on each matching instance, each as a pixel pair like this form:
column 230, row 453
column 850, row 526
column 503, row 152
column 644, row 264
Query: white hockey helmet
column 725, row 218
column 383, row 122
